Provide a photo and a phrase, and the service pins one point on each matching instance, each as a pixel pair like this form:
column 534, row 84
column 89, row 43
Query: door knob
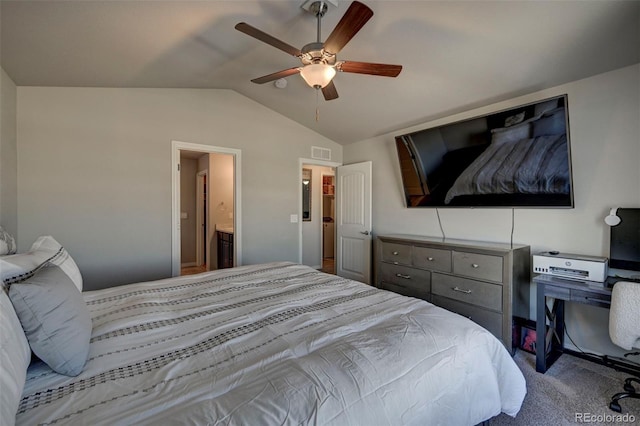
column 364, row 232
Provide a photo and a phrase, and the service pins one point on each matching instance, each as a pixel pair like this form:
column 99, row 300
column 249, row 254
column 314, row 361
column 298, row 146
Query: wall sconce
column 613, row 219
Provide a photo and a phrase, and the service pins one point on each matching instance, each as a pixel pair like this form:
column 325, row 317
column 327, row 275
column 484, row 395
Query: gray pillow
column 552, row 123
column 55, row 319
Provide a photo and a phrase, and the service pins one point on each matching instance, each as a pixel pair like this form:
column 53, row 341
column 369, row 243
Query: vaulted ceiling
column 456, row 54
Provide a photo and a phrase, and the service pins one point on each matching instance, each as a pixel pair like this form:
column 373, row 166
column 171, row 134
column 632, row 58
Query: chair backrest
column 624, row 316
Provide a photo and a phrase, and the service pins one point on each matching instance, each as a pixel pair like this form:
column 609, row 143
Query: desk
column 550, row 342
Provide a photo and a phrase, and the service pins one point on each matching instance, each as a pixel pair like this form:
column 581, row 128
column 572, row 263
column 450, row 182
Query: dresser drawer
column 478, row 293
column 482, row 266
column 430, row 258
column 406, row 277
column 492, row 321
column 399, row 254
column 405, row 291
column 590, row 298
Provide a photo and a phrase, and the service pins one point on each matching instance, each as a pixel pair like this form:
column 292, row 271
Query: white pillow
column 46, row 250
column 15, row 356
column 513, row 133
column 7, row 242
column 514, row 119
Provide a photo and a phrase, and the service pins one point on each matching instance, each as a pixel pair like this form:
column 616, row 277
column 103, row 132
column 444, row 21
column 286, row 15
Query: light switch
column 294, row 218
column 184, row 215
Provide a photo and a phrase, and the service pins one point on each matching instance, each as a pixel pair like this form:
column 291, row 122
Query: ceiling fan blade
column 353, row 20
column 276, row 75
column 264, row 37
column 329, row 91
column 385, row 70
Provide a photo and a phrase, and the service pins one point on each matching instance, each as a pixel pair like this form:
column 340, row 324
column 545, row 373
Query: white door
column 353, row 222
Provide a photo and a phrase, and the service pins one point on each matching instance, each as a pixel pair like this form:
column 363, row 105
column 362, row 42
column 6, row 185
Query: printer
column 575, row 266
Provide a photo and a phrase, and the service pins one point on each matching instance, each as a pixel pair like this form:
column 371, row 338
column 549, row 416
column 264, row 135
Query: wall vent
column 320, row 153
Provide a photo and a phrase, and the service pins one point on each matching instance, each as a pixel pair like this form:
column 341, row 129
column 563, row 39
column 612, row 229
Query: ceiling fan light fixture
column 317, row 75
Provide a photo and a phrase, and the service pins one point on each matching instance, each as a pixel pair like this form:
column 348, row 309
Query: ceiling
column 456, row 55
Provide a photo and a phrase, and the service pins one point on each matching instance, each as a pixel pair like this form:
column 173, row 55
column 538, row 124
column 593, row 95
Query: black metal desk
column 550, row 340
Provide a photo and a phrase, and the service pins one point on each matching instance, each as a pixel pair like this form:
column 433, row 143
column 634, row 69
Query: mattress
column 275, row 343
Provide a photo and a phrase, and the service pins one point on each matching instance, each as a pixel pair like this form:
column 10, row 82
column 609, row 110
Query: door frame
column 301, row 163
column 176, row 147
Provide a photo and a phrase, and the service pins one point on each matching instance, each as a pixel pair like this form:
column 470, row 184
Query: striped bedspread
column 276, row 343
column 529, row 166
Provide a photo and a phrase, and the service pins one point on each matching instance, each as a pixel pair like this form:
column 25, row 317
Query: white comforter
column 277, row 343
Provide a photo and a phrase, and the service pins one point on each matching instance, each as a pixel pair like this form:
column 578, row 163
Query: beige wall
column 604, row 115
column 8, row 155
column 94, row 166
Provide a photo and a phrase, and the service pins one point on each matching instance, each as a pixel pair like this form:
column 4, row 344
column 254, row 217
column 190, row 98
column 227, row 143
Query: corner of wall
column 8, row 154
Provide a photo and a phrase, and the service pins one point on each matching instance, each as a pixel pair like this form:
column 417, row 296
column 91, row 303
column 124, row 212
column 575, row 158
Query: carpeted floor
column 571, row 386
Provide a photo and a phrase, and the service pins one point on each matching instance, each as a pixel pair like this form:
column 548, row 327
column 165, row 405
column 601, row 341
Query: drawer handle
column 475, row 265
column 461, row 290
column 395, row 253
column 430, row 259
column 406, row 277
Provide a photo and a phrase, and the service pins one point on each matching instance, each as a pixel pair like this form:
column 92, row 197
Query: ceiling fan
column 319, row 62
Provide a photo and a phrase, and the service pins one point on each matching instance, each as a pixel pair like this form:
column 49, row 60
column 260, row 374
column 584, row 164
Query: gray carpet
column 572, row 385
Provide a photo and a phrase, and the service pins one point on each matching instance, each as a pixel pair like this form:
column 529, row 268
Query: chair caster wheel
column 629, row 388
column 615, row 407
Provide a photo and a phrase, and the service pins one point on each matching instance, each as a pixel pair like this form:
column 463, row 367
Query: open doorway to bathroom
column 206, row 211
column 318, row 216
column 205, row 208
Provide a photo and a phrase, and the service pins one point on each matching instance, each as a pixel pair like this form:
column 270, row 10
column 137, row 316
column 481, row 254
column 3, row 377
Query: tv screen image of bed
column 519, row 157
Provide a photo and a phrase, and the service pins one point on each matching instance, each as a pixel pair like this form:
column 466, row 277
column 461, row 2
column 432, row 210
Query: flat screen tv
column 625, row 241
column 518, row 157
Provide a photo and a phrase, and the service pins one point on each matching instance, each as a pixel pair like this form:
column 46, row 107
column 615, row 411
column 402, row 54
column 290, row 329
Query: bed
column 276, row 343
column 526, row 162
column 528, row 166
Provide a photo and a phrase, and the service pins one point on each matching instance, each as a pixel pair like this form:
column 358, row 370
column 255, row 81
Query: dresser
column 486, row 282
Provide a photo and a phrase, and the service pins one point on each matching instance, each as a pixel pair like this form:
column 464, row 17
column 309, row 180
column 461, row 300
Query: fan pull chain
column 317, row 105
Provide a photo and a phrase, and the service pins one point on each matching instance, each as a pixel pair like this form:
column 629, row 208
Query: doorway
column 317, row 207
column 202, row 214
column 206, row 206
column 328, row 207
column 352, row 238
column 194, row 217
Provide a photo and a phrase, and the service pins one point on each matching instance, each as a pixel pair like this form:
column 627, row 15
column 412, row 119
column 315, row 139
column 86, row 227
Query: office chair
column 624, row 330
